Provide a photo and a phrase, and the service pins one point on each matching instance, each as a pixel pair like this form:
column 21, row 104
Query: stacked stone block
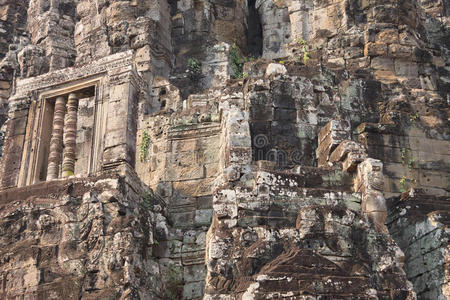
column 13, row 15
column 51, row 26
column 330, row 136
column 350, row 153
column 69, row 249
column 268, row 229
column 411, row 159
column 419, row 224
column 285, row 215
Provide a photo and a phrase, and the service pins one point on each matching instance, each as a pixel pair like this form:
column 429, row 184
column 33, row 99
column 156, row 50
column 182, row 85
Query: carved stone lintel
column 70, row 135
column 56, row 142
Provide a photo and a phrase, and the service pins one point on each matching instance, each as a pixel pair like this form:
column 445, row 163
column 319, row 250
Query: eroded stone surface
column 83, row 238
column 419, row 224
column 197, row 169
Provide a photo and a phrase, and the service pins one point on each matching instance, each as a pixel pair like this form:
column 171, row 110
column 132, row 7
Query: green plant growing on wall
column 411, row 163
column 403, row 184
column 145, row 146
column 147, row 203
column 305, row 47
column 237, row 62
column 194, row 68
column 403, row 156
column 413, row 117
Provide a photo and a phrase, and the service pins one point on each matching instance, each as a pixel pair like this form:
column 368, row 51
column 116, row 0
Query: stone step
column 328, row 178
column 196, row 100
column 419, row 206
column 281, row 209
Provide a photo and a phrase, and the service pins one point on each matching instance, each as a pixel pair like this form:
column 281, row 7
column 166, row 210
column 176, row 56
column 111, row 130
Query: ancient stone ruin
column 259, row 149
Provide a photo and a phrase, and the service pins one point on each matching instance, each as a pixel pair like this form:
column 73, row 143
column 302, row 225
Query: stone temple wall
column 275, row 149
column 72, row 239
column 419, row 224
column 12, row 38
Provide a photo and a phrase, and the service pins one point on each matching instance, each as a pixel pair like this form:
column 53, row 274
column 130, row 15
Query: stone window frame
column 32, row 156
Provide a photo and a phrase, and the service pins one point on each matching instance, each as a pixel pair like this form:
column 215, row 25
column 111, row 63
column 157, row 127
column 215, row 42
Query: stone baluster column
column 70, row 135
column 56, row 141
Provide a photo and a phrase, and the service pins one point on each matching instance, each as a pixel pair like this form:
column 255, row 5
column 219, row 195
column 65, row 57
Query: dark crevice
column 254, row 31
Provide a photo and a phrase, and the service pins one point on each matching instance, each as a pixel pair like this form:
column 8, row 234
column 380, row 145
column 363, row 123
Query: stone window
column 76, row 121
column 65, row 137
